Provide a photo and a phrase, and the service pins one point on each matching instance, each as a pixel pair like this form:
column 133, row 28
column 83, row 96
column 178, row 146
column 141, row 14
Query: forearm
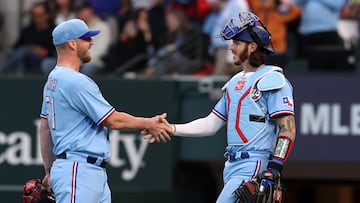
column 287, row 126
column 206, row 126
column 124, row 121
column 284, row 143
column 46, row 146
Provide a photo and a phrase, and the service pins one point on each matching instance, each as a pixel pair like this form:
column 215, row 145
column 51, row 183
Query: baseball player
column 75, row 122
column 257, row 107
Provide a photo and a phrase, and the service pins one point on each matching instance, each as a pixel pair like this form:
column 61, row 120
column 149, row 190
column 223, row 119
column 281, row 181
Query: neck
column 69, row 62
column 246, row 67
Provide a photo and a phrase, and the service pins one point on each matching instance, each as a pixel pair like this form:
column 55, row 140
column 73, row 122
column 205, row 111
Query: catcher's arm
column 284, row 143
column 206, row 126
column 267, row 186
column 46, row 146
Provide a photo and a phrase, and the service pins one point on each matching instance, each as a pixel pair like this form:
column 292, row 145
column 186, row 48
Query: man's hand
column 46, row 181
column 169, row 129
column 160, row 129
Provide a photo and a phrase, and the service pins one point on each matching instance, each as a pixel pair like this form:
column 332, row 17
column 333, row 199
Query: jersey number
column 50, row 110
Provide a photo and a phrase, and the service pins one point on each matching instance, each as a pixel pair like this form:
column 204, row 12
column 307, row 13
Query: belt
column 89, row 159
column 233, row 156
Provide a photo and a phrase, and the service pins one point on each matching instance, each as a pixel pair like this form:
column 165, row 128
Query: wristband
column 283, row 148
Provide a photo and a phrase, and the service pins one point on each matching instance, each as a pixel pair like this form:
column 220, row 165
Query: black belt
column 233, row 156
column 89, row 159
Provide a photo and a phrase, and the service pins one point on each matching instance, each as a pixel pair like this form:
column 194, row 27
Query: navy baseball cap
column 262, row 34
column 245, row 28
column 70, row 30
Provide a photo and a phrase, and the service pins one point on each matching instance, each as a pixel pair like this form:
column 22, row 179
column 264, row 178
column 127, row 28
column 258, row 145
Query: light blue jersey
column 74, row 107
column 249, row 112
column 249, row 106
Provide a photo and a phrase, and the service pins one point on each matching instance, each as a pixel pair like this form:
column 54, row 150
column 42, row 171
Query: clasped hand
column 160, row 130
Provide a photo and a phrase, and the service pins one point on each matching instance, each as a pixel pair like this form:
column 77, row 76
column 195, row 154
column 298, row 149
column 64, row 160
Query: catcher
column 258, row 110
column 37, row 192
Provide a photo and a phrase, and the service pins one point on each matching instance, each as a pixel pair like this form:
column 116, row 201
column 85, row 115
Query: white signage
column 18, row 151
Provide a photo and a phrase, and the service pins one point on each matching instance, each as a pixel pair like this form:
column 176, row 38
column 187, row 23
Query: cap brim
column 90, row 33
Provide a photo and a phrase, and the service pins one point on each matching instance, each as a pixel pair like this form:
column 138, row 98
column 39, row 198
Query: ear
column 252, row 47
column 72, row 44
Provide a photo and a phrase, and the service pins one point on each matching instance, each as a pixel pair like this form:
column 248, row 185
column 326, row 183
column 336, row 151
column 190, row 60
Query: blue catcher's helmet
column 246, row 29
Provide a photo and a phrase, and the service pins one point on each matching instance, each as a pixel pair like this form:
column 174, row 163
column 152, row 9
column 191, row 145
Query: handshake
column 159, row 129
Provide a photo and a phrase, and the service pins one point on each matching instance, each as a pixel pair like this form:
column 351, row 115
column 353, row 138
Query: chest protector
column 246, row 119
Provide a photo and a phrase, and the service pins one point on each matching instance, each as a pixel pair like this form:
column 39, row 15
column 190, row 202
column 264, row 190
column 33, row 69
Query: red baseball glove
column 37, row 192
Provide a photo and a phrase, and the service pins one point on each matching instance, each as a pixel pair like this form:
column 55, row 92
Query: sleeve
column 206, row 126
column 281, row 102
column 220, row 109
column 43, row 113
column 89, row 100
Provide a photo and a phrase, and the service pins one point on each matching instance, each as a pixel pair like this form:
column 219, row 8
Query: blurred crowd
column 167, row 37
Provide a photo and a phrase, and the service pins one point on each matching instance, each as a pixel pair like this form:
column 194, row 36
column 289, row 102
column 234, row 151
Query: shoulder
column 71, row 79
column 273, row 80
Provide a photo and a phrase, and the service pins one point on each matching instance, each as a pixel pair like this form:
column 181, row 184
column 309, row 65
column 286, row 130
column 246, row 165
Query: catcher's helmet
column 36, row 192
column 246, row 29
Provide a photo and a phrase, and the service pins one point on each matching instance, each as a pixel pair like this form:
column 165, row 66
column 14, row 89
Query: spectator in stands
column 207, row 27
column 156, row 15
column 157, row 23
column 141, row 4
column 98, row 50
column 320, row 43
column 183, row 52
column 63, row 10
column 221, row 48
column 196, row 10
column 124, row 13
column 215, row 7
column 275, row 15
column 130, row 52
column 349, row 24
column 34, row 43
column 106, row 8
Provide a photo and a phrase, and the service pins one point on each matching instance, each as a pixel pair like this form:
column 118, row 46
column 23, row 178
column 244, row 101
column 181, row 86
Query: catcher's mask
column 36, row 192
column 246, row 29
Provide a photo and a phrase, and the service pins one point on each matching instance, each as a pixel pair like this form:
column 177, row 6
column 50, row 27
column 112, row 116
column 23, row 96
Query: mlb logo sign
column 287, row 101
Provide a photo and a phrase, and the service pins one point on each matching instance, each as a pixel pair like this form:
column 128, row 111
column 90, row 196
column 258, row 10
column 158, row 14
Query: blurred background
column 155, row 56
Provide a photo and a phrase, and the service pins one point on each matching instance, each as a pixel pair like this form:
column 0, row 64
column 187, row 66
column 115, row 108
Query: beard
column 84, row 55
column 242, row 57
